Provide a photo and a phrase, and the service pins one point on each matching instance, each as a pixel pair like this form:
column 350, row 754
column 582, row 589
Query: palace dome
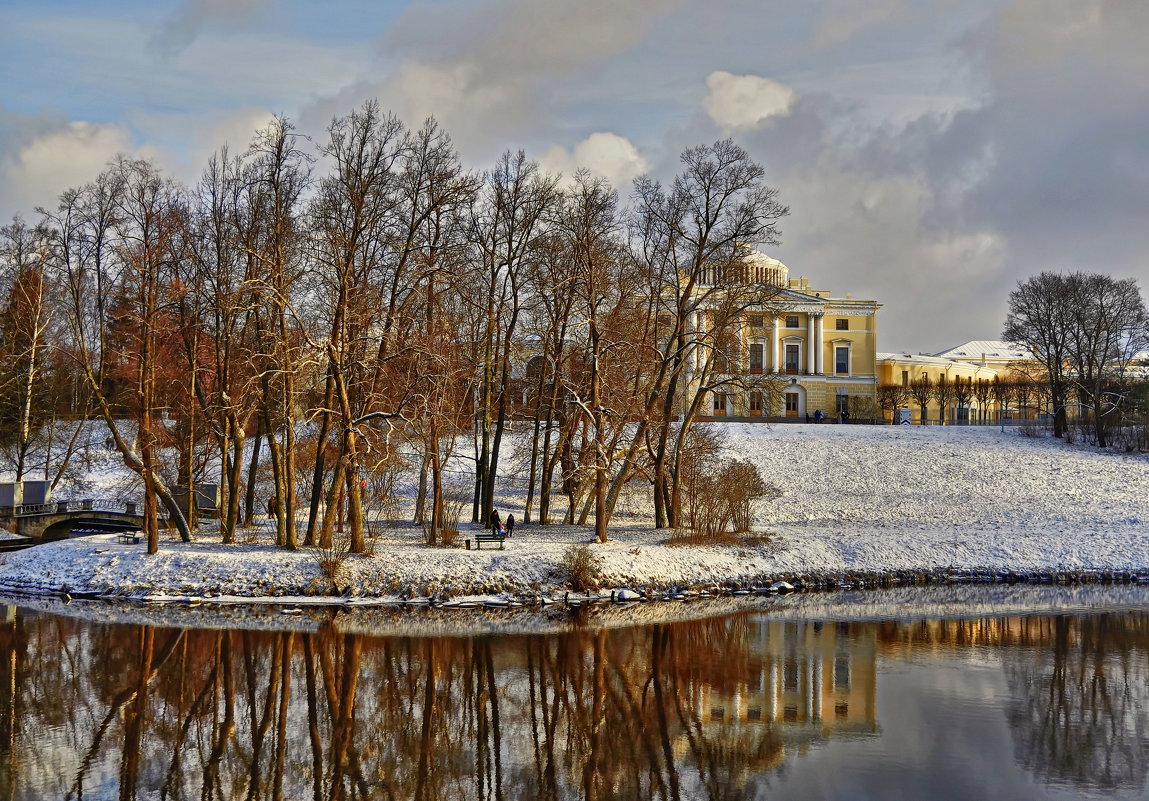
column 763, row 269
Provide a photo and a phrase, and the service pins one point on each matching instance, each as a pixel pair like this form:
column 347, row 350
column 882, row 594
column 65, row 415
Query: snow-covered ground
column 854, row 500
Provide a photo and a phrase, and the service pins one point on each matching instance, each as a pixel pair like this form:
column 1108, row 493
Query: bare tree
column 222, row 271
column 892, row 397
column 116, row 247
column 507, row 227
column 982, row 389
column 1039, row 311
column 1003, row 392
column 26, row 321
column 590, row 226
column 279, row 172
column 354, row 208
column 1108, row 325
column 943, row 394
column 922, row 391
column 691, row 238
column 963, row 392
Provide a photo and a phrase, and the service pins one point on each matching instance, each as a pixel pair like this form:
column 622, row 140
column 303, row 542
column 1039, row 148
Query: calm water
column 740, row 707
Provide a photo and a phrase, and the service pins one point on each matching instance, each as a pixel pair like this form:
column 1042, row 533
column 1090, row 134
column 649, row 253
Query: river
column 750, row 705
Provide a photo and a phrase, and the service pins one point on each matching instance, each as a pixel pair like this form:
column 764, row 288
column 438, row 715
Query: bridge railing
column 62, row 507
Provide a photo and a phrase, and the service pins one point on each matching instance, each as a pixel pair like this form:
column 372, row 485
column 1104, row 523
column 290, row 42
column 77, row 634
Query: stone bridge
column 57, row 520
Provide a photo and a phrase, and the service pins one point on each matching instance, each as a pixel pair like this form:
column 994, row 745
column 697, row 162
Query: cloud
column 192, row 17
column 842, row 20
column 52, row 157
column 743, row 102
column 612, row 156
column 859, row 231
column 496, row 73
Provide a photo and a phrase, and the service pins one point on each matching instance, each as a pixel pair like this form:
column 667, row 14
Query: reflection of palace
column 814, row 681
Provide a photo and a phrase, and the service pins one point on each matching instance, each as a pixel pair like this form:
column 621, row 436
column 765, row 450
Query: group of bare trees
column 345, row 301
column 1010, row 393
column 1085, row 328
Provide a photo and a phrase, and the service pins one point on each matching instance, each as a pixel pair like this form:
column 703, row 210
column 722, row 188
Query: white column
column 809, row 688
column 816, row 689
column 772, row 705
column 695, row 356
column 810, row 318
column 774, row 361
column 821, row 343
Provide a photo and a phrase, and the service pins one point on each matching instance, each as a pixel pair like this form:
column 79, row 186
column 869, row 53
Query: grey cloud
column 1046, row 167
column 192, row 17
column 493, row 73
column 524, row 38
column 1069, row 134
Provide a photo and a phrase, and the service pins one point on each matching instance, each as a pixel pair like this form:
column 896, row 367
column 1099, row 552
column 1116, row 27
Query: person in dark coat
column 496, row 521
column 510, row 525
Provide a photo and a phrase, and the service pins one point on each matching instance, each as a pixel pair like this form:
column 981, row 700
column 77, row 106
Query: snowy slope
column 855, row 499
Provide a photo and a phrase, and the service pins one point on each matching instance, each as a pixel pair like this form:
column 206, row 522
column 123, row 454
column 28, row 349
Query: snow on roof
column 917, row 358
column 994, row 349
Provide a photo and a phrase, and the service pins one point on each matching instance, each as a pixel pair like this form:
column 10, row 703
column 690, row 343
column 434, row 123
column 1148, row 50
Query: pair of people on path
column 497, row 523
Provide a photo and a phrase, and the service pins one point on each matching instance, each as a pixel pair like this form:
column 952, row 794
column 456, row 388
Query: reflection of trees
column 8, row 699
column 256, row 715
column 1079, row 714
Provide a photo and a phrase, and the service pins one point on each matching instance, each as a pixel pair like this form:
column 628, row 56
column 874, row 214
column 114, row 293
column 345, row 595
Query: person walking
column 496, row 521
column 511, row 525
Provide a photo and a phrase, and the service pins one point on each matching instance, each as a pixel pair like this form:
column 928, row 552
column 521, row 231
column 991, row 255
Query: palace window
column 905, row 378
column 720, row 403
column 756, row 358
column 756, row 321
column 842, row 672
column 842, row 360
column 790, row 676
column 756, row 403
column 793, row 358
column 842, row 324
column 791, row 321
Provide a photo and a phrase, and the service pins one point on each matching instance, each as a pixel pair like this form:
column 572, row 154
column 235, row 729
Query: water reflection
column 706, row 709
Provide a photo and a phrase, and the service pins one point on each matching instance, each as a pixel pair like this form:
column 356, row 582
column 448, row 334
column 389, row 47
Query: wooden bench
column 128, row 538
column 488, row 536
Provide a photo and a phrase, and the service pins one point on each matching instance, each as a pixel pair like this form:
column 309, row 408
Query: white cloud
column 38, row 170
column 607, row 154
column 744, row 102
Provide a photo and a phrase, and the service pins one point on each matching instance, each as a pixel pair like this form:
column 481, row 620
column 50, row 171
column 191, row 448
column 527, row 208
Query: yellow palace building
column 973, row 365
column 803, row 351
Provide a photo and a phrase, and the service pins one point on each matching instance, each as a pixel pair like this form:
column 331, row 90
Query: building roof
column 916, row 358
column 977, row 350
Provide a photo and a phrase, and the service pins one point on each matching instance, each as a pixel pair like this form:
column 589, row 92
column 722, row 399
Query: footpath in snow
column 857, row 503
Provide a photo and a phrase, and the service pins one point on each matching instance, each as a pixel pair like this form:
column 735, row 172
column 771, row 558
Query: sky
column 933, row 153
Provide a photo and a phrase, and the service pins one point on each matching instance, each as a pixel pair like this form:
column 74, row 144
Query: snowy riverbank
column 858, row 503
